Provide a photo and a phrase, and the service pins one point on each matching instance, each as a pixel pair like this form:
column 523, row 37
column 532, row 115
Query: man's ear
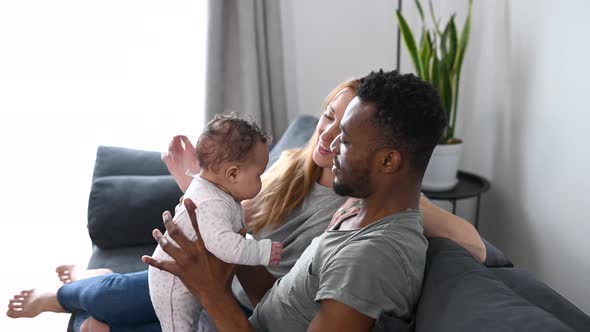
column 391, row 161
column 232, row 173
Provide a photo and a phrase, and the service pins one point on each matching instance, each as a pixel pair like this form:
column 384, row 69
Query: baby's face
column 248, row 183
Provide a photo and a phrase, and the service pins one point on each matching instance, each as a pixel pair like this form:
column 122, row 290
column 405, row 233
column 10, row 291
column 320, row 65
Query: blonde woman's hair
column 286, row 183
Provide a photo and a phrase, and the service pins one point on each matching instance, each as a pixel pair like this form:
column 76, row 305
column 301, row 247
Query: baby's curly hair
column 409, row 111
column 228, row 138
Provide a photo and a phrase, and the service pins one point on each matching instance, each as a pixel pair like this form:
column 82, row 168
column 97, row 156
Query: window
column 78, row 74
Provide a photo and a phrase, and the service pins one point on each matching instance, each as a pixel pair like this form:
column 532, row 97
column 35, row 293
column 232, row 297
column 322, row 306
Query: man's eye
column 328, row 117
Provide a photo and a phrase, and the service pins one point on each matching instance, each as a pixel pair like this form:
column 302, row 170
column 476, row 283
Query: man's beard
column 342, row 189
column 356, row 189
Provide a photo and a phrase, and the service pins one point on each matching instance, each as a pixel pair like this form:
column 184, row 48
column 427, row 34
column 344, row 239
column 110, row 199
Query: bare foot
column 30, row 303
column 93, row 325
column 72, row 272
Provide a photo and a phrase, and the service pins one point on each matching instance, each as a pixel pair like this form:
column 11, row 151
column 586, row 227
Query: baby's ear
column 232, row 173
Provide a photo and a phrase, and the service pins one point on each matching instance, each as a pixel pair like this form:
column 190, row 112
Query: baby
column 232, row 153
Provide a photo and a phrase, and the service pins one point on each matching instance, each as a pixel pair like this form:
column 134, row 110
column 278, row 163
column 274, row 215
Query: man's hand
column 205, row 275
column 180, row 157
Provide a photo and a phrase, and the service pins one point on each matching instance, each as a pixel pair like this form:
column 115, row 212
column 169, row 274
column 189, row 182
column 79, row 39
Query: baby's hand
column 276, row 252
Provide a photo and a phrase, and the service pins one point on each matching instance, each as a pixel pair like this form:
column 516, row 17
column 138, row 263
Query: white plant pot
column 441, row 173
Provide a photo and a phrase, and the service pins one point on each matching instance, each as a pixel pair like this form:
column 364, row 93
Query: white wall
column 523, row 113
column 318, row 49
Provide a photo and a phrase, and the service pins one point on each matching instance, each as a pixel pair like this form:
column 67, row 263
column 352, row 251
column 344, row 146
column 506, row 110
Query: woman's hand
column 205, row 275
column 180, row 157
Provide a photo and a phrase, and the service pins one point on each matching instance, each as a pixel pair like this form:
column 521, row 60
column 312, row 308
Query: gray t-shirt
column 301, row 225
column 376, row 270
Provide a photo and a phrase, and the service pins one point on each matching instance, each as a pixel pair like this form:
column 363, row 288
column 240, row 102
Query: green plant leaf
column 445, row 88
column 433, row 16
column 439, row 56
column 410, row 43
column 452, row 43
column 435, row 73
column 462, row 45
column 420, row 10
column 443, row 42
column 426, row 55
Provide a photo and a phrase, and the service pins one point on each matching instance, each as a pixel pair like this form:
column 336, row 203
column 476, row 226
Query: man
column 369, row 266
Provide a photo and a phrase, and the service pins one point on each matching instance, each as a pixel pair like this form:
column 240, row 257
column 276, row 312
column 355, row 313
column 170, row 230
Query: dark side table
column 469, row 185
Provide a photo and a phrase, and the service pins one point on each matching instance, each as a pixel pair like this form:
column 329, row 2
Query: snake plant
column 438, row 59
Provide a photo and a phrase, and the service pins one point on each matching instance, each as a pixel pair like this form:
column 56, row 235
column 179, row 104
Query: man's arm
column 256, row 281
column 205, row 275
column 225, row 312
column 337, row 316
column 441, row 223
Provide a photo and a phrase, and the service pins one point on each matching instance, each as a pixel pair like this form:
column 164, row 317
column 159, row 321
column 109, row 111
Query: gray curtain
column 245, row 62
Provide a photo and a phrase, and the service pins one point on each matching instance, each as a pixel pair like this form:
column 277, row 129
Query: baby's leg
column 177, row 309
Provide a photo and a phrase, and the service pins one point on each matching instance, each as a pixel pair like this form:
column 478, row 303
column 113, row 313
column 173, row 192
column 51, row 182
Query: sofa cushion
column 495, row 257
column 123, row 210
column 543, row 296
column 112, row 161
column 121, row 260
column 296, row 135
column 460, row 294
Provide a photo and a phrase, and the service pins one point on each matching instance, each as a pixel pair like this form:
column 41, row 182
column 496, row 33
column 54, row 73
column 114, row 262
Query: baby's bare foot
column 72, row 272
column 32, row 302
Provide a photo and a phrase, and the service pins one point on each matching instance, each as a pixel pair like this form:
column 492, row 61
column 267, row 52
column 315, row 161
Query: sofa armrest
column 460, row 294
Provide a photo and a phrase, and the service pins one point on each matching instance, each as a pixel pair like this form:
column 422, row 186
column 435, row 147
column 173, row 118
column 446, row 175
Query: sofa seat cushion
column 123, row 210
column 121, row 260
column 460, row 294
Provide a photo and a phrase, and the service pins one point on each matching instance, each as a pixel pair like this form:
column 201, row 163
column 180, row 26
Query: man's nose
column 335, row 145
column 329, row 134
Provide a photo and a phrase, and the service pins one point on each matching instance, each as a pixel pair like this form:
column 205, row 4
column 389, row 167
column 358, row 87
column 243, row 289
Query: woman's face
column 328, row 127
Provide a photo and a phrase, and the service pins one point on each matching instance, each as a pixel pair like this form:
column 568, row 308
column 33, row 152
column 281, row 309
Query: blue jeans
column 120, row 300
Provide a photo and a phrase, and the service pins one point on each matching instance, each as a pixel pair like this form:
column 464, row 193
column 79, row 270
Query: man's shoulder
column 399, row 228
column 397, row 239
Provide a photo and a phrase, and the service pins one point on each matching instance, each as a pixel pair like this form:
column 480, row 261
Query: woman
column 295, row 205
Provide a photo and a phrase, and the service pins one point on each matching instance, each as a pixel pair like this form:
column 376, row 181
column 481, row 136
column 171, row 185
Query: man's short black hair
column 228, row 138
column 409, row 111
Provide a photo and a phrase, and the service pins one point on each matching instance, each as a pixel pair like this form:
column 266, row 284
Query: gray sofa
column 131, row 188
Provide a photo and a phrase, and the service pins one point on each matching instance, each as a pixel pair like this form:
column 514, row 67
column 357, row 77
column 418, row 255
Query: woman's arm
column 180, row 157
column 441, row 223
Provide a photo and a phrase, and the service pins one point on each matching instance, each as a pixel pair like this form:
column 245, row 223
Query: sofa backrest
column 131, row 188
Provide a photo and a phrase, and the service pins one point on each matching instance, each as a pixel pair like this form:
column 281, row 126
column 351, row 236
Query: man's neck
column 382, row 204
